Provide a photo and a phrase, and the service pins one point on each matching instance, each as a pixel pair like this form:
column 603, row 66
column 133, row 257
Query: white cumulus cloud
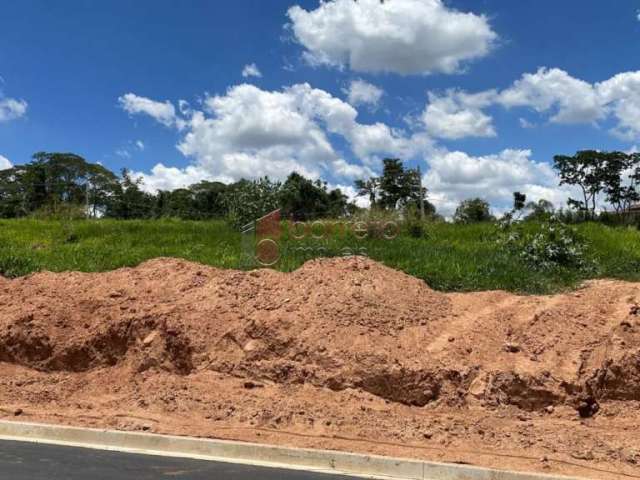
column 11, row 108
column 249, row 132
column 569, row 99
column 251, row 70
column 363, row 93
column 621, row 97
column 5, row 163
column 351, row 193
column 458, row 114
column 170, row 178
column 398, row 36
column 371, row 142
column 163, row 112
column 456, row 176
column 552, row 93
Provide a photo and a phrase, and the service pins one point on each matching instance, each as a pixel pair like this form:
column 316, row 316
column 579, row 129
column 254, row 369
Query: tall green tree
column 338, row 204
column 369, row 188
column 397, row 188
column 614, row 174
column 209, row 198
column 540, row 210
column 393, row 184
column 51, row 180
column 519, row 200
column 586, row 170
column 621, row 173
column 13, row 193
column 303, row 199
column 129, row 200
column 473, row 210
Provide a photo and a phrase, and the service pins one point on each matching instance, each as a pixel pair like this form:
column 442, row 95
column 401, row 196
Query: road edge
column 321, row 461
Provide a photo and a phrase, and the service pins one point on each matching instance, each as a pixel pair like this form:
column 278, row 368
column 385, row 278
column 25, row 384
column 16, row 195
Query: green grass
column 28, row 245
column 449, row 257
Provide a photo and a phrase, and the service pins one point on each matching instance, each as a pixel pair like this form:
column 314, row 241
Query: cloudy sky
column 480, row 93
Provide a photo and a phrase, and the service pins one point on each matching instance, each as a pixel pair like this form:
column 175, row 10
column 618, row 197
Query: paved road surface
column 30, row 461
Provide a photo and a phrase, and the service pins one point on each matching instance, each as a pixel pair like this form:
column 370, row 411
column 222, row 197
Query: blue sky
column 468, row 102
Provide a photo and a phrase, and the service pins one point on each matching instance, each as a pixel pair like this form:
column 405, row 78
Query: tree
column 303, row 199
column 65, row 177
column 519, row 200
column 178, row 203
column 369, row 188
column 587, row 170
column 621, row 192
column 101, row 186
column 209, row 198
column 393, row 185
column 414, row 192
column 51, row 180
column 338, row 204
column 616, row 174
column 248, row 200
column 129, row 201
column 540, row 210
column 396, row 188
column 473, row 211
column 66, row 182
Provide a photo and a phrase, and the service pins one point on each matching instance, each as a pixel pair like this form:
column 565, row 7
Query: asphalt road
column 30, row 461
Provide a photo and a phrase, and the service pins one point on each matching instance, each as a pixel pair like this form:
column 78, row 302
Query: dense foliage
column 545, row 245
column 55, row 185
column 614, row 174
column 66, row 185
column 397, row 188
column 473, row 210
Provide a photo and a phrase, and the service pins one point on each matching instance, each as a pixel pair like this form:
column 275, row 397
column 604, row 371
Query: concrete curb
column 371, row 466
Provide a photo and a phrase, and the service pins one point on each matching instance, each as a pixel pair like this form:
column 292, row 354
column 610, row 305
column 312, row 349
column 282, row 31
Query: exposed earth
column 343, row 354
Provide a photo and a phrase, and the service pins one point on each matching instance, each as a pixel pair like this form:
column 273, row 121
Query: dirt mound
column 323, row 324
column 368, row 349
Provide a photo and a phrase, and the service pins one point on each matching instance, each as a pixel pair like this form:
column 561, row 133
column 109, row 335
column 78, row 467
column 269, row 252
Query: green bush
column 248, row 201
column 545, row 245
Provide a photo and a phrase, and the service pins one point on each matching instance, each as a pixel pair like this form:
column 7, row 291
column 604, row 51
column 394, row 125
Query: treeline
column 610, row 177
column 66, row 184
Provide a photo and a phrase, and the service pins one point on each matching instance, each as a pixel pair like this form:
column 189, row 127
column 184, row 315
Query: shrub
column 546, row 245
column 247, row 201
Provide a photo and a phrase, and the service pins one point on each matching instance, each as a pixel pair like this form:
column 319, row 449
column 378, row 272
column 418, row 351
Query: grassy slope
column 450, row 257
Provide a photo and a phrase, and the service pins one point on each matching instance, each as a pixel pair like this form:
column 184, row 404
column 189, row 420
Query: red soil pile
column 342, row 353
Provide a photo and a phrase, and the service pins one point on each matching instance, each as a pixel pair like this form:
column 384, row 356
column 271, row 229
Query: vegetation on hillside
column 65, row 184
column 60, row 212
column 57, row 185
column 451, row 257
